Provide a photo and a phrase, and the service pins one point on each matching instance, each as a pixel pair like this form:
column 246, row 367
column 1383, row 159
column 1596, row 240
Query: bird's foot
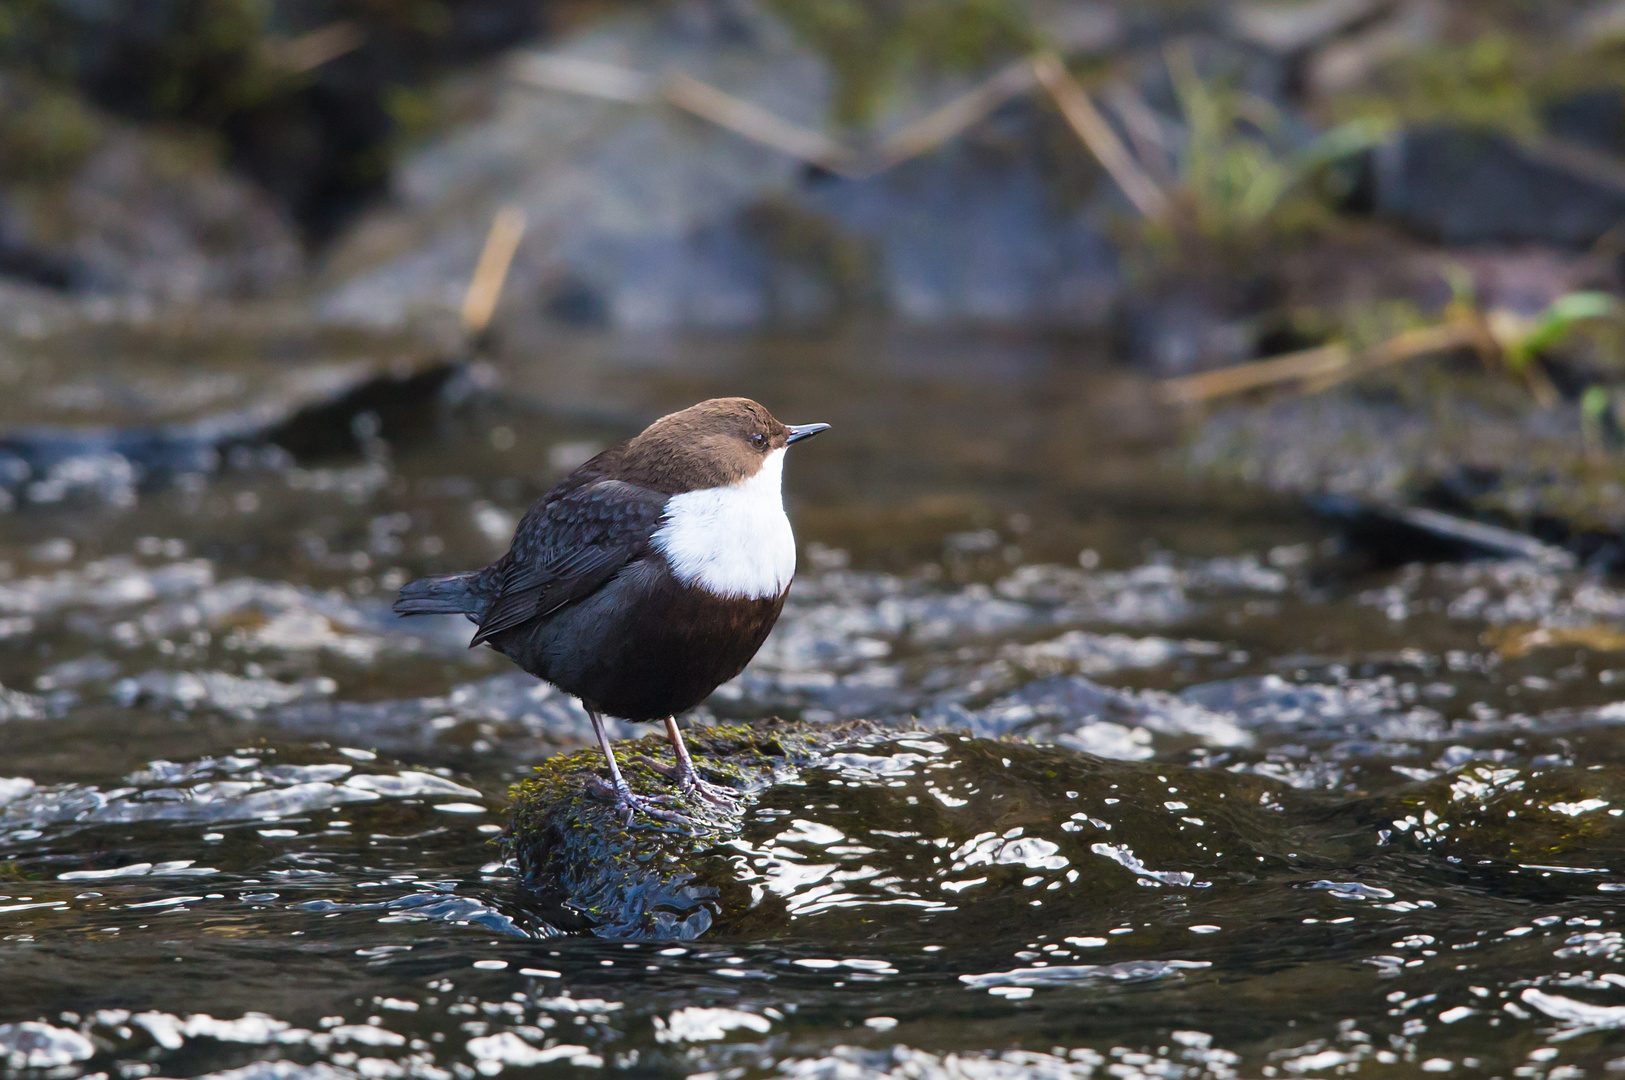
column 705, row 791
column 627, row 803
column 689, row 782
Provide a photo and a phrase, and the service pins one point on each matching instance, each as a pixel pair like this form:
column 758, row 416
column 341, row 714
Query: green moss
column 413, row 113
column 44, row 132
column 1506, row 813
column 198, row 61
column 1498, row 80
column 870, row 44
column 586, row 870
column 1491, row 82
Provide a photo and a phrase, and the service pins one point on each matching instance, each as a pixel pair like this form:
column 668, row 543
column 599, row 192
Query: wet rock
column 118, row 600
column 886, row 647
column 1399, row 534
column 1185, row 330
column 282, row 1070
column 98, row 207
column 1602, row 24
column 643, row 218
column 839, row 821
column 17, row 705
column 1289, row 28
column 1348, row 62
column 98, row 408
column 1471, row 447
column 1521, row 816
column 898, row 1062
column 585, row 870
column 974, row 231
column 211, row 790
column 1074, row 711
column 233, row 694
column 307, row 102
column 438, row 906
column 1464, row 187
column 1075, row 27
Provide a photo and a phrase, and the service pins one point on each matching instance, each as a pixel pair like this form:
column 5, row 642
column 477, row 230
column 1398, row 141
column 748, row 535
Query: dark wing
column 568, row 547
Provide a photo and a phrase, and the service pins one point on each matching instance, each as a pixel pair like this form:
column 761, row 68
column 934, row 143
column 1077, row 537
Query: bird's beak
column 803, row 431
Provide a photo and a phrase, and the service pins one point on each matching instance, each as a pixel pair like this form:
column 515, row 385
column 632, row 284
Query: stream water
column 1259, row 808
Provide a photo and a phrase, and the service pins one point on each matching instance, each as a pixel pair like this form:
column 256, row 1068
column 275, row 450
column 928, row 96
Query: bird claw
column 706, row 791
column 689, row 782
column 626, row 803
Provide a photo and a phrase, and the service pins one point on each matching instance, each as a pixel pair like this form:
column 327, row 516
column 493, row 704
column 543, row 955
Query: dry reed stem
column 485, row 287
column 1098, row 136
column 593, row 79
column 307, row 52
column 589, row 78
column 944, row 123
column 1319, row 368
column 757, row 124
column 1207, row 385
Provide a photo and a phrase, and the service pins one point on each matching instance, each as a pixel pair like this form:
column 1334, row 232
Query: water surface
column 1259, row 809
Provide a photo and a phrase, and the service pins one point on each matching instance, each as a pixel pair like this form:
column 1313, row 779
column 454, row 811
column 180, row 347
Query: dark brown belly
column 683, row 646
column 641, row 652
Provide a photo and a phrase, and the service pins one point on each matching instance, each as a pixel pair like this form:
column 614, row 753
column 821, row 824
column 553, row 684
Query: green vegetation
column 44, row 131
column 1556, row 323
column 314, row 101
column 1490, row 82
column 1236, row 176
column 870, row 44
column 197, row 60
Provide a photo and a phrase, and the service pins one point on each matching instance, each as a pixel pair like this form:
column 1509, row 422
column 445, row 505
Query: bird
column 644, row 579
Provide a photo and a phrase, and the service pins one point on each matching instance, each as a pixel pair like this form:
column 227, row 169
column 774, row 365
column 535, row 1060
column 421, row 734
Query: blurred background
column 1230, row 394
column 1162, row 191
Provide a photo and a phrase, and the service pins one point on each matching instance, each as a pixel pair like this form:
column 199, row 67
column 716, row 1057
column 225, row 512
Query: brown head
column 713, row 444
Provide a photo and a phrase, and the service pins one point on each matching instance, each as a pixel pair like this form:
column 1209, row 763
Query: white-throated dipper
column 646, row 578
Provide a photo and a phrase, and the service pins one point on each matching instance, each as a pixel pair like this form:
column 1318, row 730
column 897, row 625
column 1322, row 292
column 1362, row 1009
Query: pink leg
column 687, row 777
column 619, row 790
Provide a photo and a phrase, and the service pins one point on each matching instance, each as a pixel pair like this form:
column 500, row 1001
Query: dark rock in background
column 264, row 129
column 1479, row 449
column 1187, row 328
column 643, row 218
column 104, row 409
column 95, row 205
column 307, row 96
column 1006, row 224
column 1465, row 187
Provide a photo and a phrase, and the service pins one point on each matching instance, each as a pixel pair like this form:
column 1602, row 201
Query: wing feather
column 567, row 548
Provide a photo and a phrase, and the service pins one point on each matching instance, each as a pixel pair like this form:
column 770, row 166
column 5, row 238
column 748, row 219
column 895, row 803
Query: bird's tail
column 452, row 594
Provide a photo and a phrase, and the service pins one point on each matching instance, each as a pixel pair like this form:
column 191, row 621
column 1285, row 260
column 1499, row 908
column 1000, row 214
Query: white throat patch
column 732, row 541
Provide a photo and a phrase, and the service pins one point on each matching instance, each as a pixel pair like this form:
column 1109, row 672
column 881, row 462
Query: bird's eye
column 758, row 440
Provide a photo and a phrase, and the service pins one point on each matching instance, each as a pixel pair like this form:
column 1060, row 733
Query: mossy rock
column 1469, row 444
column 1529, row 817
column 584, row 870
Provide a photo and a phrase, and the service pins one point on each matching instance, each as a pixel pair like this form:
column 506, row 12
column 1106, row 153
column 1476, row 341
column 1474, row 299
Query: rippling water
column 1173, row 786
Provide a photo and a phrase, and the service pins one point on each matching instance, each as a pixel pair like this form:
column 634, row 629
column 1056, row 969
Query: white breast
column 732, row 541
